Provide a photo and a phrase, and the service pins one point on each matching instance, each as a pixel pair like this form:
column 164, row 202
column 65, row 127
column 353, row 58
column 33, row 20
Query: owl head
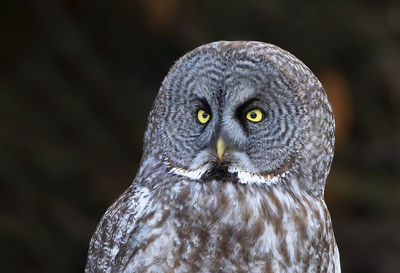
column 245, row 112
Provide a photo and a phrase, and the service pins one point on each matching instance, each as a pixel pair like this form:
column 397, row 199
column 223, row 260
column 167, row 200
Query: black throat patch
column 220, row 173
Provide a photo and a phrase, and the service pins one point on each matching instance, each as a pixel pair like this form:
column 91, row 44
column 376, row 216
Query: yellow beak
column 220, row 148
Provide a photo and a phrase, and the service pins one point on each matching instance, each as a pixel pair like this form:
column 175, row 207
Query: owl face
column 230, row 116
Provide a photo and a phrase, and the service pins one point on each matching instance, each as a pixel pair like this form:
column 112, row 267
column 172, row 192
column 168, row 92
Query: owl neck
column 233, row 202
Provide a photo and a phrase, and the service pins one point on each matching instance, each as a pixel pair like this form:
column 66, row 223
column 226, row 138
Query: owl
column 237, row 150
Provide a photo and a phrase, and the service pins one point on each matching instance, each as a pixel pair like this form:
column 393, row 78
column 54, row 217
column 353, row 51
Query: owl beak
column 220, row 147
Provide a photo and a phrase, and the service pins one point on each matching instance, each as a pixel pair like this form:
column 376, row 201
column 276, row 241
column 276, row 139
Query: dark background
column 78, row 78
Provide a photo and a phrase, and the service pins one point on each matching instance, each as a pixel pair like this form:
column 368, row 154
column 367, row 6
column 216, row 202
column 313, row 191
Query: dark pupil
column 205, row 115
column 253, row 115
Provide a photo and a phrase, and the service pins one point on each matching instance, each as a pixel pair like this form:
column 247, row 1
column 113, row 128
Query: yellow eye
column 254, row 115
column 203, row 116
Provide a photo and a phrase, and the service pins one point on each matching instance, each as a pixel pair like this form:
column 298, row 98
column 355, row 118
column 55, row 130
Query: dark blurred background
column 78, row 78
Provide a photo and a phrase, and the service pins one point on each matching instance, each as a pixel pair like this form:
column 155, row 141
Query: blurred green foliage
column 78, row 78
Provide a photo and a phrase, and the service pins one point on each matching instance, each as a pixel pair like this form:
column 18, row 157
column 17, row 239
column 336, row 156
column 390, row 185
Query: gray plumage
column 256, row 205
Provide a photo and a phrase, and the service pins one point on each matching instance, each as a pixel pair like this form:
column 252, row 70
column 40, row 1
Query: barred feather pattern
column 214, row 227
column 261, row 207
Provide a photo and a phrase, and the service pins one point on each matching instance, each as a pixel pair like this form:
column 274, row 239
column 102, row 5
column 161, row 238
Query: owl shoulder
column 115, row 227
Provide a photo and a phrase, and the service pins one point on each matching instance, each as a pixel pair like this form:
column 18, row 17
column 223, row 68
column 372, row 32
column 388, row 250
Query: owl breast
column 218, row 226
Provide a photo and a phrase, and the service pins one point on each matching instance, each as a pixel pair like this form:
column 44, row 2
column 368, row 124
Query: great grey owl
column 237, row 150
